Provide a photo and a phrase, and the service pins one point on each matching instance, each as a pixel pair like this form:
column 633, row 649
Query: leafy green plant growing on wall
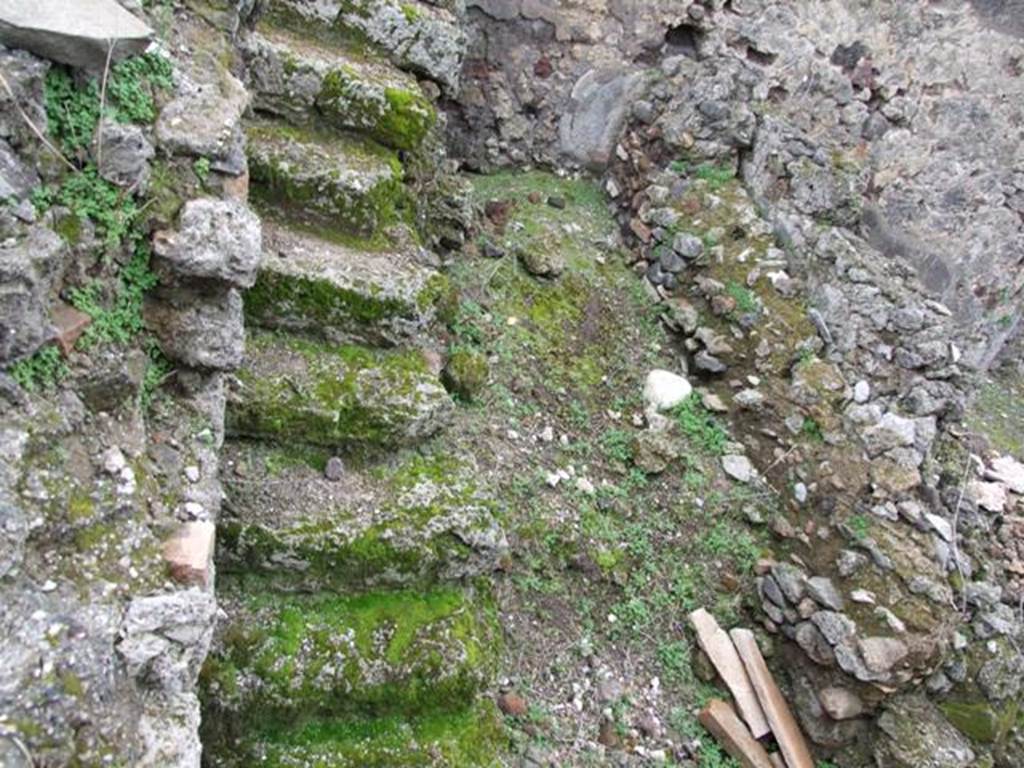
column 74, row 110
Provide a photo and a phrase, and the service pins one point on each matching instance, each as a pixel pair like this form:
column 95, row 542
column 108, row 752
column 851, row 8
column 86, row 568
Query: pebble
column 335, row 469
column 512, row 704
column 583, row 485
column 800, row 493
column 192, row 474
column 861, row 392
column 738, row 468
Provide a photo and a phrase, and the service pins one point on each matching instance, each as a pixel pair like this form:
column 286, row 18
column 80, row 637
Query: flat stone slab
column 75, row 32
column 412, row 519
column 343, row 294
column 295, row 391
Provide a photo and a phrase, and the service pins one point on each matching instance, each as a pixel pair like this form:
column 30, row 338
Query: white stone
column 665, row 390
column 1009, row 472
column 738, row 468
column 800, row 492
column 940, row 525
column 583, row 485
column 990, row 496
column 113, row 460
column 861, row 392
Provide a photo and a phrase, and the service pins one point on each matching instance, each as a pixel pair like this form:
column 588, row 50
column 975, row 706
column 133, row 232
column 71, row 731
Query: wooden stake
column 721, row 720
column 784, row 725
column 719, row 648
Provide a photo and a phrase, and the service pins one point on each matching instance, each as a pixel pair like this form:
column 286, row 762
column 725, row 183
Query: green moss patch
column 469, row 737
column 408, row 521
column 336, row 182
column 314, row 286
column 398, row 117
column 338, row 396
column 408, row 653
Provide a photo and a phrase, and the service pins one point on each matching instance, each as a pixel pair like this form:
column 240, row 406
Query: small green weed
column 121, row 321
column 860, row 525
column 700, row 426
column 89, row 196
column 675, row 661
column 617, row 445
column 201, row 168
column 745, row 300
column 157, row 370
column 131, row 85
column 715, row 175
column 811, row 429
column 73, row 111
column 42, row 370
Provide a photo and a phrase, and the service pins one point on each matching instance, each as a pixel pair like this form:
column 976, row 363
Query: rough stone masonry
column 228, row 237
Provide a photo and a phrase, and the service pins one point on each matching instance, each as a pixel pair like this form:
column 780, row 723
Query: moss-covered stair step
column 284, row 659
column 339, row 183
column 341, row 293
column 423, row 37
column 294, row 390
column 303, row 80
column 471, row 737
column 410, row 520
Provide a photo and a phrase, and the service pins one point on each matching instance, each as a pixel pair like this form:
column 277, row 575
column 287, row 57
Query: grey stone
column 334, row 470
column 542, row 262
column 31, row 268
column 893, row 431
column 688, row 246
column 791, row 581
column 814, row 644
column 17, row 180
column 849, row 562
column 124, row 155
column 881, row 654
column 914, row 734
column 738, row 468
column 840, row 703
column 204, row 119
column 940, row 525
column 836, row 627
column 165, row 638
column 198, row 328
column 430, row 41
column 770, row 589
column 823, row 592
column 216, row 240
column 597, row 109
column 708, row 362
column 79, row 33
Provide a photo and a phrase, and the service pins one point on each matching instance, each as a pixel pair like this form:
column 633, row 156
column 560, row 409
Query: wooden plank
column 777, row 760
column 719, row 648
column 722, row 721
column 784, row 725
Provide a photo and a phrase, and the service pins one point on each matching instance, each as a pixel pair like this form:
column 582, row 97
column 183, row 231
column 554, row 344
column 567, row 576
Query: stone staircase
column 357, row 631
